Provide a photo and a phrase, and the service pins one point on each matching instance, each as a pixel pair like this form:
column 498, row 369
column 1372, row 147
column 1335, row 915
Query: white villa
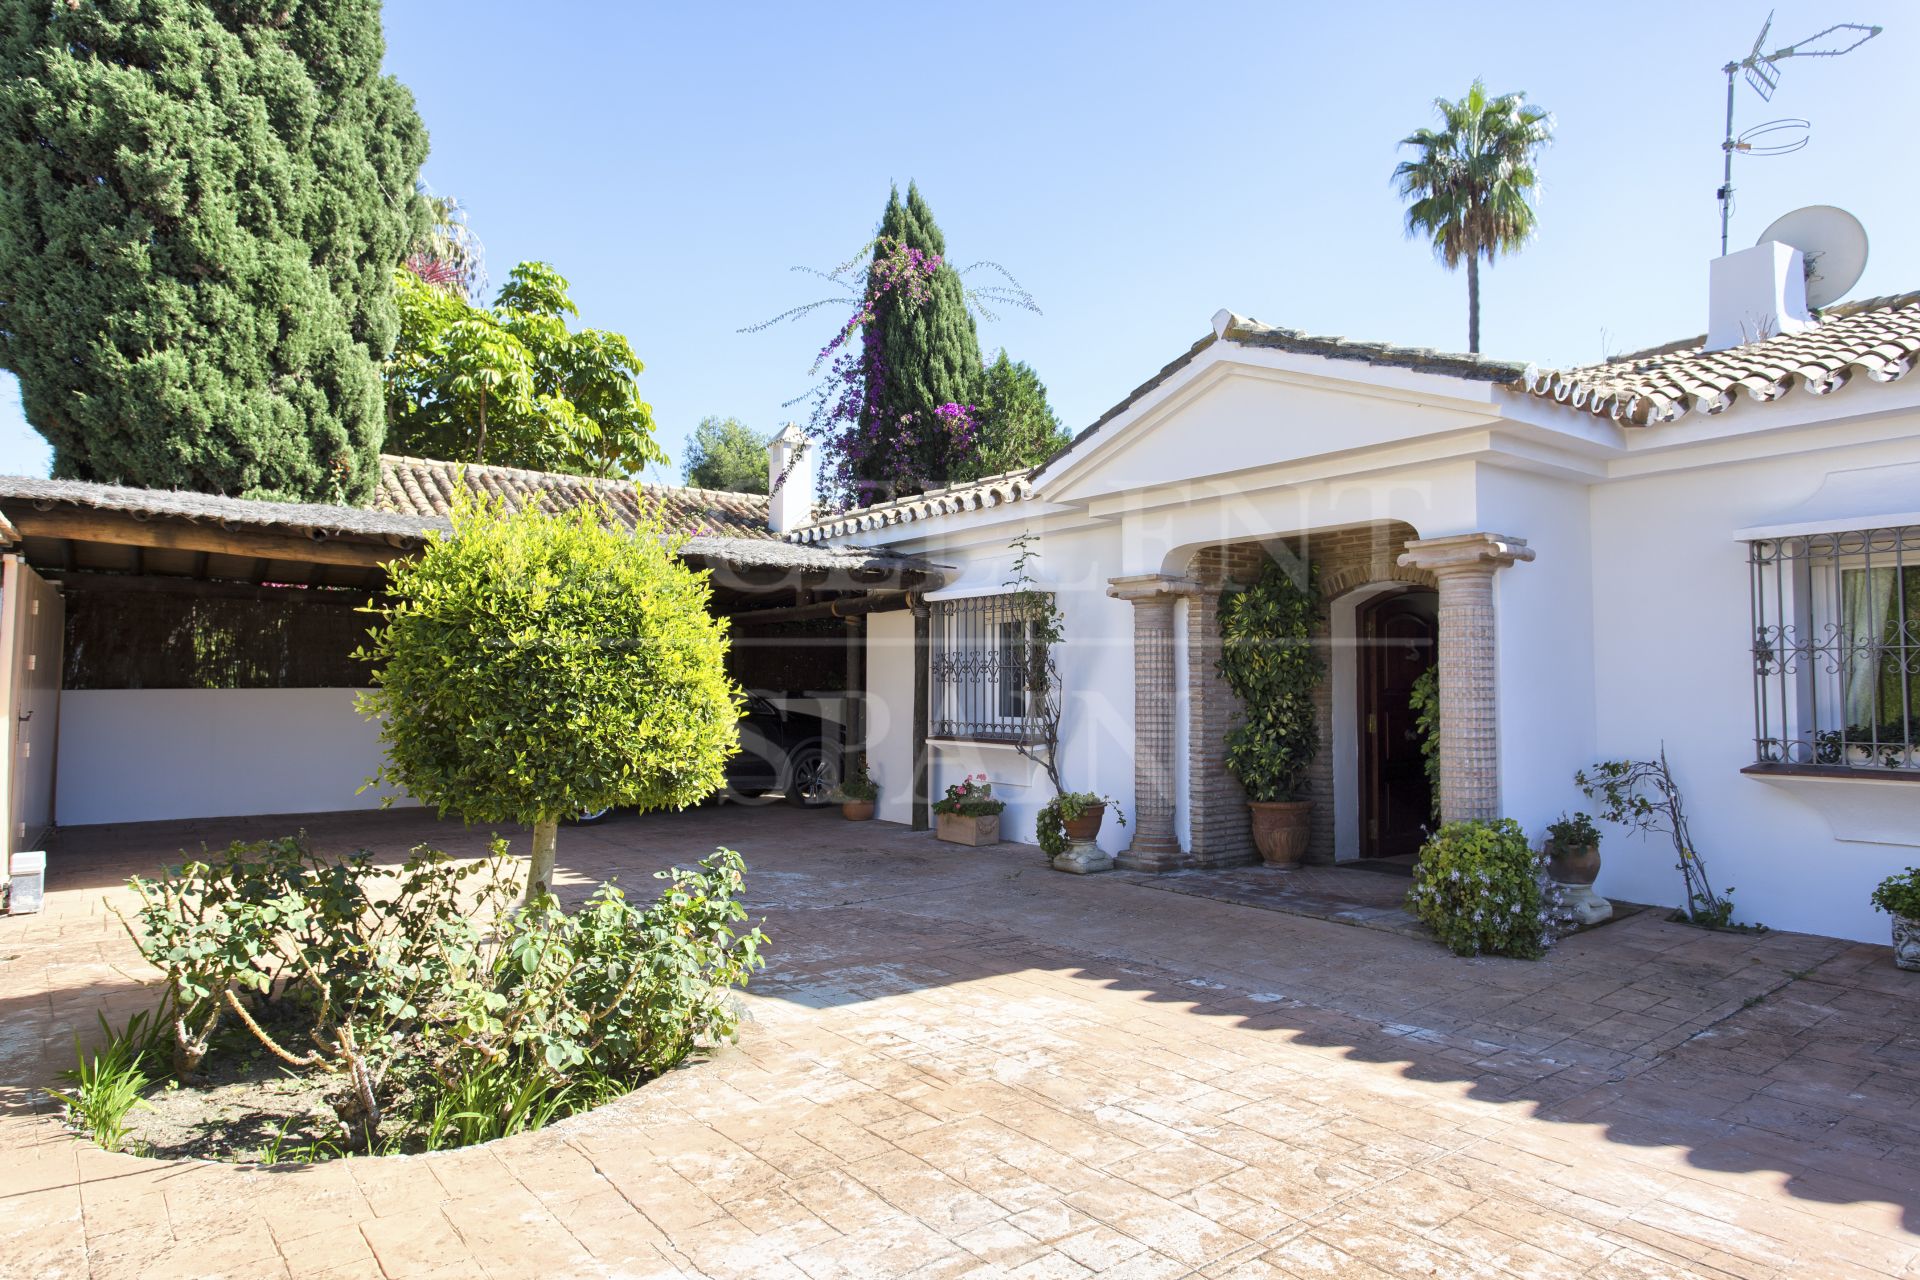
column 1700, row 548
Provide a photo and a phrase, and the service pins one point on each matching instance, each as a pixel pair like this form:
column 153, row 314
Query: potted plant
column 1068, row 826
column 858, row 792
column 1267, row 658
column 968, row 814
column 1573, row 863
column 1899, row 897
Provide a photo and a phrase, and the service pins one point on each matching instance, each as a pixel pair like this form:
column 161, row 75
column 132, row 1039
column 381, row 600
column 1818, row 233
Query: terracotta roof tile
column 975, row 495
column 426, row 487
column 1877, row 336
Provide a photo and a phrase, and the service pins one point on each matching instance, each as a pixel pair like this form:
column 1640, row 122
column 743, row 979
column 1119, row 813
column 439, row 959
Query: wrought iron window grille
column 989, row 676
column 1836, row 649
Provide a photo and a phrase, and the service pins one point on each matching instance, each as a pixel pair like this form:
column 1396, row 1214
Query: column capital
column 1145, row 586
column 1465, row 552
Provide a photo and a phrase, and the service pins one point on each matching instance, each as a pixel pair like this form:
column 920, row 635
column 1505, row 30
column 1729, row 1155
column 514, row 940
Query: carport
column 180, row 655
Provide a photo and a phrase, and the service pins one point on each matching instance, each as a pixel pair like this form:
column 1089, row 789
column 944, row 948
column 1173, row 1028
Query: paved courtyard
column 960, row 1063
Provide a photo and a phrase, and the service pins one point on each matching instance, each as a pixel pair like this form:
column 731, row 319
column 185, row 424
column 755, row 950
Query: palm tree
column 1471, row 180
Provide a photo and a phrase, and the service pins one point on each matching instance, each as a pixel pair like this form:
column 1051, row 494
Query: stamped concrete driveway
column 962, row 1064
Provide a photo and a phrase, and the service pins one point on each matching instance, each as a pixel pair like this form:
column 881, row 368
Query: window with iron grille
column 1836, row 649
column 987, row 671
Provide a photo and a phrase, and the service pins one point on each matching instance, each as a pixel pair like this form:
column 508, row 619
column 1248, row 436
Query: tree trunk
column 480, row 447
column 1473, row 303
column 540, row 865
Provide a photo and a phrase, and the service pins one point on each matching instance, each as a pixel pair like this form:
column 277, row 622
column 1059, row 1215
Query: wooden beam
column 81, row 582
column 847, row 607
column 175, row 535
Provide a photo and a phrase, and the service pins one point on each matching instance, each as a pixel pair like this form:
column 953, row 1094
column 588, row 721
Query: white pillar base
column 1082, row 857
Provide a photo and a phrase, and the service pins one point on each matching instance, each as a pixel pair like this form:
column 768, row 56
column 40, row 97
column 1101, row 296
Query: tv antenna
column 1762, row 72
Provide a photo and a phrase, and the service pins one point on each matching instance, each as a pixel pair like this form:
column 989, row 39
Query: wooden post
column 922, row 675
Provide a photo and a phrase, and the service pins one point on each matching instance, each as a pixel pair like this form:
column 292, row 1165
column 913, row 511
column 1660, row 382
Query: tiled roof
column 1877, row 336
column 425, row 487
column 975, row 495
column 1454, row 364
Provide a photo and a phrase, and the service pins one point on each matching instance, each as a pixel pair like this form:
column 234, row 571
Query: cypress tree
column 201, row 205
column 918, row 357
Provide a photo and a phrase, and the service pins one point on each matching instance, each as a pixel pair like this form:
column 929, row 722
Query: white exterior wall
column 1673, row 662
column 135, row 755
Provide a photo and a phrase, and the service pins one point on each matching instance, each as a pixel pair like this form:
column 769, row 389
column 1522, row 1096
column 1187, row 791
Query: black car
column 781, row 749
column 786, row 750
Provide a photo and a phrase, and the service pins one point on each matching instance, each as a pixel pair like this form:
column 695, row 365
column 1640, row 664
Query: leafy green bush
column 424, row 978
column 1267, row 657
column 1481, row 889
column 1577, row 832
column 1900, row 895
column 533, row 666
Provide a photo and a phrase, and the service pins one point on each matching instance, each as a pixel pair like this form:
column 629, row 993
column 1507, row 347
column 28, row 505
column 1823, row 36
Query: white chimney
column 1756, row 293
column 789, row 480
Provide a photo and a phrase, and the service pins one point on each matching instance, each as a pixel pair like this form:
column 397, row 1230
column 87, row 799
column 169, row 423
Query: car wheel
column 812, row 780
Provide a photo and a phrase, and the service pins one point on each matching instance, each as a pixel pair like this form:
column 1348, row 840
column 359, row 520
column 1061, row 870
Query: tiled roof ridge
column 969, row 495
column 616, row 481
column 1879, row 337
column 1462, row 364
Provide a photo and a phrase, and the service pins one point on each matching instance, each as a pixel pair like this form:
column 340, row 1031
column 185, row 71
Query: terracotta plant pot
column 1087, row 825
column 1576, row 864
column 856, row 810
column 968, row 829
column 1281, row 830
column 1906, row 942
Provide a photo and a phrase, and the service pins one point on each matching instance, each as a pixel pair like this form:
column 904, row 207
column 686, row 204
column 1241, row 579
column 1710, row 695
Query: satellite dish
column 1833, row 243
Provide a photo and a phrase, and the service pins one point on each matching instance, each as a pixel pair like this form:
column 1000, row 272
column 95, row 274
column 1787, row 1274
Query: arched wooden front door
column 1397, row 634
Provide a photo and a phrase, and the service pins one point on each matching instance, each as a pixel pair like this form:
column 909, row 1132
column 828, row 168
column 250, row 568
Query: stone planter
column 857, row 810
column 960, row 828
column 1281, row 829
column 1906, row 942
column 1574, row 868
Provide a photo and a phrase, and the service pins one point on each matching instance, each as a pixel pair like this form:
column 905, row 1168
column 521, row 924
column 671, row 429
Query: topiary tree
column 532, row 666
column 201, row 206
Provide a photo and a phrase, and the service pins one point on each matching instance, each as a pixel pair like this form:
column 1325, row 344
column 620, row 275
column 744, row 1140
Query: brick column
column 1155, row 846
column 1464, row 566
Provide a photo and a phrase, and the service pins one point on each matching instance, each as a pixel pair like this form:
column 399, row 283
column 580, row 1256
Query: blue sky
column 1136, row 166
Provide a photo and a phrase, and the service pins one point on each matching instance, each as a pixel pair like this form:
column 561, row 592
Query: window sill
column 1860, row 806
column 1835, row 772
column 1001, row 744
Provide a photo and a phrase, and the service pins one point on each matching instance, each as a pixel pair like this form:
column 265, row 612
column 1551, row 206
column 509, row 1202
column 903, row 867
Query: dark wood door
column 1396, row 634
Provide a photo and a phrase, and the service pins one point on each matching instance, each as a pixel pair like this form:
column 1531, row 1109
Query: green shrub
column 1424, row 702
column 497, row 1019
column 1577, row 832
column 1900, row 895
column 1267, row 657
column 533, row 666
column 1481, row 889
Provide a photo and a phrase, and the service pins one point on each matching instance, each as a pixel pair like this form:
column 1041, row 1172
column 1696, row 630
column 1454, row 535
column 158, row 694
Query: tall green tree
column 920, row 356
column 1472, row 180
column 512, row 384
column 727, row 454
column 201, row 206
column 1018, row 428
